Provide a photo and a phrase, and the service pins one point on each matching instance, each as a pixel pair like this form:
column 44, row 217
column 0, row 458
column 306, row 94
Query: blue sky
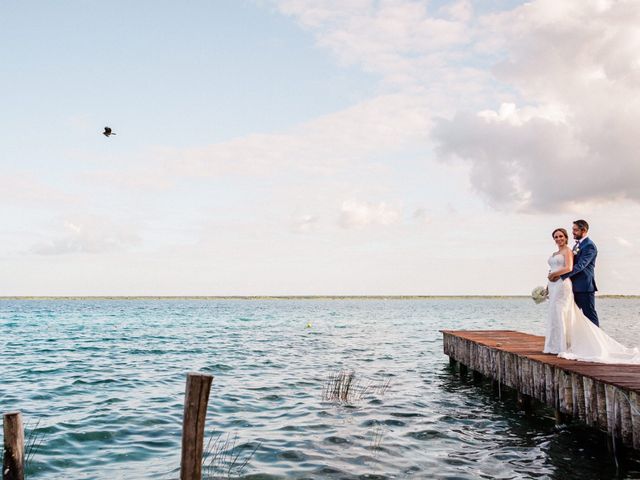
column 165, row 73
column 313, row 147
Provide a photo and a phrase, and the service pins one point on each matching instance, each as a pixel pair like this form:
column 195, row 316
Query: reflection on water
column 106, row 381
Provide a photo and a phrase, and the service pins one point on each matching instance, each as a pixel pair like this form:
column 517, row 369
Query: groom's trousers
column 586, row 302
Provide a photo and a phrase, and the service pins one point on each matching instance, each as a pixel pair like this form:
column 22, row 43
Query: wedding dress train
column 571, row 335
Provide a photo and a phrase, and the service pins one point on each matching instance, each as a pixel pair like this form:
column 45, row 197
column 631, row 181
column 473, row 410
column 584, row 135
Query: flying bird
column 107, row 132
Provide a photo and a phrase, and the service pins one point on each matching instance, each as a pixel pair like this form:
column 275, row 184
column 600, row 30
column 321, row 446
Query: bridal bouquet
column 539, row 294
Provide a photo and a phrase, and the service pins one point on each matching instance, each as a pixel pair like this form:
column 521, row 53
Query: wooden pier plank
column 530, row 346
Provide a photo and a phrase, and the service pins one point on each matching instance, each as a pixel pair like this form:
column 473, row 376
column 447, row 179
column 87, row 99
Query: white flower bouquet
column 539, row 294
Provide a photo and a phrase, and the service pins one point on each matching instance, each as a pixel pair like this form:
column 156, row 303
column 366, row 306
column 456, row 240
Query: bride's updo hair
column 561, row 230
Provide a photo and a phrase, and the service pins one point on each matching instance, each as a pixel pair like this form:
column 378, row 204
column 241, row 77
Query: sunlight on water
column 105, row 380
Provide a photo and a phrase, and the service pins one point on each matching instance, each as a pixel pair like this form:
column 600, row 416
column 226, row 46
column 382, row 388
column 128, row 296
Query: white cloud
column 509, row 113
column 320, row 145
column 518, row 163
column 441, row 53
column 461, row 11
column 149, row 178
column 305, row 223
column 576, row 67
column 324, row 145
column 403, row 41
column 88, row 234
column 421, row 215
column 26, row 188
column 623, row 242
column 354, row 214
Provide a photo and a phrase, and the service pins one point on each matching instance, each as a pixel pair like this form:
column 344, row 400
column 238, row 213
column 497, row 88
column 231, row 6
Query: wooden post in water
column 495, row 385
column 13, row 460
column 524, row 402
column 195, row 413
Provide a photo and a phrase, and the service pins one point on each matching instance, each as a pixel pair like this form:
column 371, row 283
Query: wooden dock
column 601, row 395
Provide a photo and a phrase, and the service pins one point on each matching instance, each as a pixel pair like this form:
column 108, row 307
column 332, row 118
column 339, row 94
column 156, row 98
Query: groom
column 582, row 275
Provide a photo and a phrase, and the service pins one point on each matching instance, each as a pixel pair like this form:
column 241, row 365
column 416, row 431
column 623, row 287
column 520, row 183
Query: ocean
column 100, row 384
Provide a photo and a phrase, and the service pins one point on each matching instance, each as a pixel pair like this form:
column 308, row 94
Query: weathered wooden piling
column 195, row 413
column 605, row 396
column 13, row 459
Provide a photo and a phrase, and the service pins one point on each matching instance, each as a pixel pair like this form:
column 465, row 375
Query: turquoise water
column 103, row 381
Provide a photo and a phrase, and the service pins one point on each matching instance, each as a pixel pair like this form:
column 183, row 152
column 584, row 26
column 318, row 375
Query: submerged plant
column 223, row 458
column 377, row 434
column 345, row 387
column 34, row 441
column 342, row 387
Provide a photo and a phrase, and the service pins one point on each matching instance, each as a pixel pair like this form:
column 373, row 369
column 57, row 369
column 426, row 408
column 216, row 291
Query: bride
column 570, row 334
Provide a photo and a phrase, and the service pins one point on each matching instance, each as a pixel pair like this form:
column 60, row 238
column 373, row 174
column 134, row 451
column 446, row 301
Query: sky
column 315, row 147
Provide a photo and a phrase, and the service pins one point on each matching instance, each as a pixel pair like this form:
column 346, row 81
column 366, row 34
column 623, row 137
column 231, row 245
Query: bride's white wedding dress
column 571, row 335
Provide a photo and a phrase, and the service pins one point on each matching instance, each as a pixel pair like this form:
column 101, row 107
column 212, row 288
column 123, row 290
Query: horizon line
column 274, row 297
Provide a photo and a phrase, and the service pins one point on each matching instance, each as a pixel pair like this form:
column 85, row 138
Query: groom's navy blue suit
column 583, row 278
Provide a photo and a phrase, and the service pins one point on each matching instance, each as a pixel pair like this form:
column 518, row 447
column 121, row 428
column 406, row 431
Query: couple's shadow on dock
column 566, row 450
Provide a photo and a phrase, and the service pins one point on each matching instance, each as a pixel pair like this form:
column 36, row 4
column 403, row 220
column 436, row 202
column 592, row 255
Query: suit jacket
column 584, row 263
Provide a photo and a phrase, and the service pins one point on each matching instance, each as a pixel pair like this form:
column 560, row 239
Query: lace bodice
column 556, row 262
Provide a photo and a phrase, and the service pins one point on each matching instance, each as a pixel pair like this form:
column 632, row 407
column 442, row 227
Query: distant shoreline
column 287, row 297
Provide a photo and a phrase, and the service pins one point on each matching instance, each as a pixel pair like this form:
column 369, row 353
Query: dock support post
column 195, row 413
column 524, row 402
column 561, row 418
column 477, row 376
column 452, row 362
column 13, row 460
column 463, row 370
